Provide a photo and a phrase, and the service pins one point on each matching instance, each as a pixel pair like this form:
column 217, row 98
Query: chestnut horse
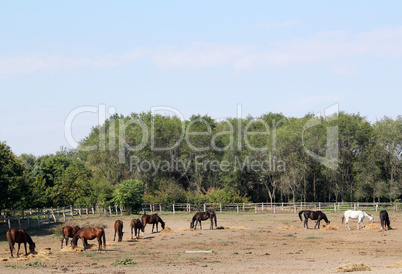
column 118, row 228
column 68, row 232
column 137, row 225
column 152, row 219
column 89, row 234
column 313, row 215
column 202, row 216
column 19, row 236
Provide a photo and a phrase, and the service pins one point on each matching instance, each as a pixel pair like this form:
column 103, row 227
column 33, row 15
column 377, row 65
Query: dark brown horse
column 118, row 228
column 89, row 234
column 137, row 225
column 202, row 216
column 19, row 236
column 152, row 219
column 384, row 218
column 68, row 232
column 313, row 215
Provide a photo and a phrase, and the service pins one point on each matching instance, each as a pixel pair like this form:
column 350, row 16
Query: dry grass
column 372, row 227
column 167, row 230
column 329, row 227
column 397, row 265
column 352, row 268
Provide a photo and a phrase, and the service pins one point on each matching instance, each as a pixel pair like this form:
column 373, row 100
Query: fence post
column 295, row 208
column 110, row 210
column 282, row 205
column 160, row 209
column 256, row 208
column 64, row 213
column 354, row 206
column 220, row 208
column 376, row 208
column 205, row 207
column 37, row 216
column 121, row 210
column 79, row 211
column 243, row 206
column 319, row 206
column 93, row 211
column 173, row 210
column 274, row 209
column 54, row 217
column 262, row 206
column 86, row 211
column 9, row 223
column 71, row 211
column 335, row 207
column 237, row 208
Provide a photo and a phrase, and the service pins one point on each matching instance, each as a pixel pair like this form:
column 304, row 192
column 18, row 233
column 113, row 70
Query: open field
column 251, row 243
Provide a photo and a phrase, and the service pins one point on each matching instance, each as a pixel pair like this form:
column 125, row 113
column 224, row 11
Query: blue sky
column 203, row 57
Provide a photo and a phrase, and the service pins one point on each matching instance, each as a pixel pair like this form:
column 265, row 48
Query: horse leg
column 25, row 245
column 157, row 227
column 200, row 224
column 18, row 251
column 114, row 235
column 11, row 249
column 153, row 226
column 306, row 223
column 100, row 244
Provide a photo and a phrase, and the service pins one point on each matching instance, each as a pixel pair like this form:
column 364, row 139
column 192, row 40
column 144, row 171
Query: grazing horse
column 202, row 216
column 89, row 234
column 313, row 215
column 68, row 232
column 152, row 219
column 137, row 225
column 385, row 220
column 118, row 228
column 19, row 236
column 356, row 214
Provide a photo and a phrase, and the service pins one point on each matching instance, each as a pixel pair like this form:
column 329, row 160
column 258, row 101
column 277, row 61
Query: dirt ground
column 250, row 243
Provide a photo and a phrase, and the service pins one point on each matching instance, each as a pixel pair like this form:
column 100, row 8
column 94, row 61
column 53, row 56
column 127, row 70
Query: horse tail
column 63, row 236
column 104, row 237
column 300, row 215
column 343, row 218
column 121, row 231
column 215, row 220
column 10, row 240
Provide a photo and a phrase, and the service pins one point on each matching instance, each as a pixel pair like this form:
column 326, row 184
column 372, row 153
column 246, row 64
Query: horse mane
column 75, row 239
column 324, row 217
column 29, row 239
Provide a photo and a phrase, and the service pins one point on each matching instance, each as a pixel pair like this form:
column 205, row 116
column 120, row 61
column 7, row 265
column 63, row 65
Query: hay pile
column 397, row 265
column 236, row 227
column 287, row 227
column 372, row 227
column 167, row 230
column 352, row 268
column 45, row 253
column 188, row 229
column 329, row 227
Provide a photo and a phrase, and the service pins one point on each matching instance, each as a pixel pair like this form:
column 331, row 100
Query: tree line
column 145, row 157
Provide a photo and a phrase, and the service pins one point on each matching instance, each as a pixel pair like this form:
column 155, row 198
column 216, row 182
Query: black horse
column 385, row 220
column 313, row 215
column 202, row 216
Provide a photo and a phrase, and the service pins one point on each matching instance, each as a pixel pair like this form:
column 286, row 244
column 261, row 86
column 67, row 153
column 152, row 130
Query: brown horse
column 313, row 215
column 137, row 225
column 89, row 234
column 68, row 232
column 202, row 216
column 19, row 236
column 152, row 219
column 118, row 228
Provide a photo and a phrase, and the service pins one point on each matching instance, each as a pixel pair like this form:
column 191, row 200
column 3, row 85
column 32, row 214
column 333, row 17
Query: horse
column 202, row 216
column 137, row 225
column 152, row 219
column 68, row 232
column 356, row 214
column 385, row 220
column 118, row 228
column 19, row 236
column 313, row 215
column 89, row 234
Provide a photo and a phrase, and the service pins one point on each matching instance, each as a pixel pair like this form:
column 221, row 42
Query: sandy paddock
column 248, row 243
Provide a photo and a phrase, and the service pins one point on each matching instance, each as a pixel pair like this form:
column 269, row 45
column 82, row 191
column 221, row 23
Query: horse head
column 163, row 224
column 32, row 247
column 191, row 224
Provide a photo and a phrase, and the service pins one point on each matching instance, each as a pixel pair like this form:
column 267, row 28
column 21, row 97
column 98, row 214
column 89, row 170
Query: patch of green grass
column 313, row 238
column 12, row 266
column 213, row 262
column 290, row 235
column 247, row 248
column 227, row 243
column 126, row 261
column 36, row 264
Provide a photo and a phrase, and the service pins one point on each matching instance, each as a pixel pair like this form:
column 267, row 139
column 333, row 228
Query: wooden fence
column 28, row 218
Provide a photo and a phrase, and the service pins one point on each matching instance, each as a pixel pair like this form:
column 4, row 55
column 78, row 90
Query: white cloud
column 337, row 50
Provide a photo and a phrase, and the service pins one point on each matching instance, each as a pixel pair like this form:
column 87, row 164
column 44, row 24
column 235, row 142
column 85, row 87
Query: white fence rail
column 40, row 216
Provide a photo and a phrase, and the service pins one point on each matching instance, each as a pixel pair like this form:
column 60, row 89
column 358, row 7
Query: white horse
column 356, row 214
